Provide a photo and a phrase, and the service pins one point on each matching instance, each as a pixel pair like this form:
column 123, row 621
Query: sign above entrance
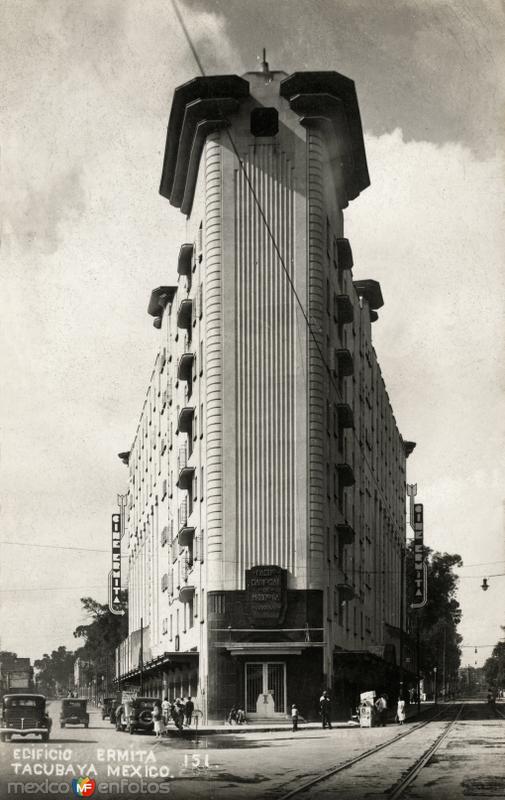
column 266, row 594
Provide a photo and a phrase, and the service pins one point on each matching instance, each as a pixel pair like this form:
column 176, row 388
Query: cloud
column 431, row 229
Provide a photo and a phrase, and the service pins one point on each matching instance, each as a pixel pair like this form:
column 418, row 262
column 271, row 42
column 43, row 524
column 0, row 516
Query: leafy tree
column 101, row 636
column 494, row 668
column 7, row 655
column 439, row 619
column 55, row 671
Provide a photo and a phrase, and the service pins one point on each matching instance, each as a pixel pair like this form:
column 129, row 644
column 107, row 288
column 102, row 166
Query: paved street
column 470, row 762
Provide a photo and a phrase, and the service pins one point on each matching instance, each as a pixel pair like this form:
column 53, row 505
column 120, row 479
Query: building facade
column 266, row 513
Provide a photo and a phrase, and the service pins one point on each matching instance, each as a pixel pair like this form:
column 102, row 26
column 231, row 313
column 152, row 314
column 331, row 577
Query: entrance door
column 265, row 689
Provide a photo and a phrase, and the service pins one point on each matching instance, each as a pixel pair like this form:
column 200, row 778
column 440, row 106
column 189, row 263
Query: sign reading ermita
column 266, row 594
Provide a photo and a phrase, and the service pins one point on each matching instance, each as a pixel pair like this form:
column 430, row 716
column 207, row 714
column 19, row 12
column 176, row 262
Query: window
column 264, row 121
column 202, row 491
column 190, row 614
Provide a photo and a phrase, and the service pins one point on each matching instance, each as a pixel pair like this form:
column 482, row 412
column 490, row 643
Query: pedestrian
column 240, row 716
column 294, row 717
column 158, row 720
column 381, row 707
column 189, row 707
column 232, row 716
column 165, row 709
column 400, row 711
column 325, row 709
column 174, row 713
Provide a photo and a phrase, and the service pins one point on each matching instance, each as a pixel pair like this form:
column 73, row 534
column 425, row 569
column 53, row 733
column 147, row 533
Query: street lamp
column 484, row 585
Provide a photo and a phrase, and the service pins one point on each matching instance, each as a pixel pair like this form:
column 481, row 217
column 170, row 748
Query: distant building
column 266, row 514
column 16, row 674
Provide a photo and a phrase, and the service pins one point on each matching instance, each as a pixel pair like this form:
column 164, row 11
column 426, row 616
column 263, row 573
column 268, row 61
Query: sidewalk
column 271, row 727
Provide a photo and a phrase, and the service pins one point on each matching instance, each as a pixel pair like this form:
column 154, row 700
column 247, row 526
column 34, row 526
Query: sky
column 86, row 94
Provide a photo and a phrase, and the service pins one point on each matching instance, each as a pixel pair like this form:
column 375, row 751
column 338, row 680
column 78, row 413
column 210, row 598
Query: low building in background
column 266, row 499
column 16, row 674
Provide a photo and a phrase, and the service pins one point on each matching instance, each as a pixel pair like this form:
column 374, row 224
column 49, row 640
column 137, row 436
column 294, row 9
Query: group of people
column 180, row 711
column 324, row 712
column 236, row 716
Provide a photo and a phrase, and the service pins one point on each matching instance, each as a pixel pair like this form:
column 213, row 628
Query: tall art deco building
column 266, row 514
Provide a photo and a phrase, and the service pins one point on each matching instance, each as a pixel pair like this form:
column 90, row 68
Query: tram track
column 399, row 788
column 318, row 779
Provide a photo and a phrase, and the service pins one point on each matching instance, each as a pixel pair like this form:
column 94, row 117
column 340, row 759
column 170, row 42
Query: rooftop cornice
column 331, row 96
column 199, row 107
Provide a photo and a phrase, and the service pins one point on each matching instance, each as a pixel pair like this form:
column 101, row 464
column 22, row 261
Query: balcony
column 184, row 313
column 185, row 367
column 345, row 415
column 344, row 362
column 185, row 421
column 186, row 472
column 346, row 592
column 344, row 254
column 345, row 533
column 371, row 291
column 186, row 594
column 345, row 475
column 344, row 308
column 186, row 535
column 185, row 260
column 158, row 301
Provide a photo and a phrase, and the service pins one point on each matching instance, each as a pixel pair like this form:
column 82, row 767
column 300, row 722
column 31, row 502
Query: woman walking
column 400, row 711
column 158, row 720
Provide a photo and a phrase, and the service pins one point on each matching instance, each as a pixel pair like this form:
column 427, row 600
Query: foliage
column 101, row 636
column 439, row 619
column 6, row 656
column 494, row 667
column 55, row 671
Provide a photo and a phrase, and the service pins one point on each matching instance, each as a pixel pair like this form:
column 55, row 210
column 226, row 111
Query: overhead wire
column 282, row 263
column 271, row 236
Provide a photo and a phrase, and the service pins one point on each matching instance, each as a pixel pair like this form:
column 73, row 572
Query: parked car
column 73, row 712
column 141, row 714
column 24, row 715
column 107, row 705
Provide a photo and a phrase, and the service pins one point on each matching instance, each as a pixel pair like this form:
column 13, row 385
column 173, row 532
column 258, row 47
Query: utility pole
column 418, row 664
column 141, row 656
column 402, row 614
column 443, row 663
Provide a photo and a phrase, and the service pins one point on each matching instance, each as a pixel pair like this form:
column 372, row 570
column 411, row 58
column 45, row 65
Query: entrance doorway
column 265, row 689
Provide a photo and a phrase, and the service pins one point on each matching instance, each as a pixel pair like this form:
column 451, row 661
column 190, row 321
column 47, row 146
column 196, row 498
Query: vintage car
column 24, row 715
column 141, row 714
column 107, row 706
column 73, row 712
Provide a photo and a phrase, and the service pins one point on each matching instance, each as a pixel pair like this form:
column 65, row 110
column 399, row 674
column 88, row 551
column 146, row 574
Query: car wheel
column 131, row 730
column 86, row 724
column 45, row 737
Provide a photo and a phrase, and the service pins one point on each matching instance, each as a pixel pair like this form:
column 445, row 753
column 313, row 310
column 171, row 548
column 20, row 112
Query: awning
column 186, row 593
column 185, row 421
column 185, row 366
column 185, row 259
column 184, row 313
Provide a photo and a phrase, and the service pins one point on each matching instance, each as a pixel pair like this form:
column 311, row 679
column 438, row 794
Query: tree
column 494, row 668
column 101, row 637
column 56, row 671
column 439, row 619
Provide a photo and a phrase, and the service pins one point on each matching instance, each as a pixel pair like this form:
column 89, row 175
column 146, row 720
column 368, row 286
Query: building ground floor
column 263, row 656
column 265, row 684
